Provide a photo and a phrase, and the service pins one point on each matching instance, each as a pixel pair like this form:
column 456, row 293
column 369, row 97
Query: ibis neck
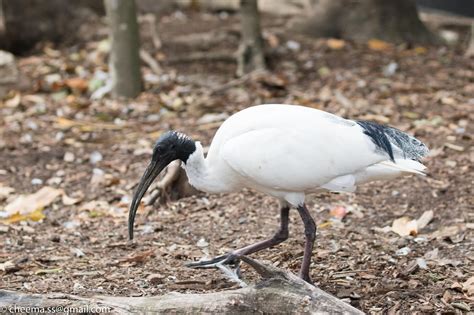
column 199, row 173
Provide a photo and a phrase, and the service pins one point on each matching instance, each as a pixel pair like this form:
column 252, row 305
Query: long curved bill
column 151, row 172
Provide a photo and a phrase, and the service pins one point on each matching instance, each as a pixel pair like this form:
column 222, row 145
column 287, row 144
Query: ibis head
column 169, row 147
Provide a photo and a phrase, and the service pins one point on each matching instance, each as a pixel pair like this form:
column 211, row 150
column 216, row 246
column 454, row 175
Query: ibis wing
column 299, row 158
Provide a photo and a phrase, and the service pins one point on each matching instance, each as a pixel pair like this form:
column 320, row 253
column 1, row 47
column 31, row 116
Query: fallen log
column 278, row 292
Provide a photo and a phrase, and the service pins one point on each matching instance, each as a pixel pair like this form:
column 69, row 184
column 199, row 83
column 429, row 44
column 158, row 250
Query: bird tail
column 406, row 166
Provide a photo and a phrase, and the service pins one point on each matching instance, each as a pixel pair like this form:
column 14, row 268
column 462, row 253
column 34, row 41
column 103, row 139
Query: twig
column 150, row 61
column 200, row 56
column 238, row 81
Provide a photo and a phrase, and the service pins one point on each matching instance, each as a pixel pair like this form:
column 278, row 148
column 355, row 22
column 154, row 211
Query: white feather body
column 287, row 151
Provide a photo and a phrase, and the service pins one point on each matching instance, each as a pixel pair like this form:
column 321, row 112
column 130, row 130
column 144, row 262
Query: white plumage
column 287, row 151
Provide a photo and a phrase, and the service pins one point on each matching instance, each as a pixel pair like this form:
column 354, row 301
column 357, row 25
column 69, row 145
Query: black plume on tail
column 394, row 142
column 377, row 134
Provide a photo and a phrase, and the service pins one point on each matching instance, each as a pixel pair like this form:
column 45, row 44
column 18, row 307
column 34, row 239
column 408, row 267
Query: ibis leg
column 280, row 236
column 310, row 236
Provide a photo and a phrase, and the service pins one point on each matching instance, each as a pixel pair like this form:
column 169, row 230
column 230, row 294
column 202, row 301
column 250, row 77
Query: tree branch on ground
column 278, row 292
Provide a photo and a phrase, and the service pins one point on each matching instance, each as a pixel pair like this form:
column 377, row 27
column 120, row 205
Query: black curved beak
column 151, row 172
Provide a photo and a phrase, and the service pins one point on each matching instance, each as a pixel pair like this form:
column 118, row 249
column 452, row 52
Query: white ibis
column 286, row 151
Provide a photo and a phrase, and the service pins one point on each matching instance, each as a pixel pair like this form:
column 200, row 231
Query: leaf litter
column 50, row 131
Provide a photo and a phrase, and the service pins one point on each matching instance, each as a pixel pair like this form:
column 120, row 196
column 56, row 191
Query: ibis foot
column 227, row 259
column 222, row 262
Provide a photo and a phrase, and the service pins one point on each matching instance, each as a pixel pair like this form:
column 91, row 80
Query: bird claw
column 227, row 259
column 222, row 263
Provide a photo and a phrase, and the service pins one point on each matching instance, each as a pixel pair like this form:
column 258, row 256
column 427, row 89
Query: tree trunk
column 250, row 54
column 23, row 23
column 124, row 60
column 361, row 20
column 470, row 48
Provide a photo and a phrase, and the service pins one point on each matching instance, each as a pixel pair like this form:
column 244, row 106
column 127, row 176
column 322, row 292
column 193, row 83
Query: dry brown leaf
column 9, row 266
column 14, row 101
column 30, row 207
column 420, row 50
column 468, row 286
column 454, row 147
column 69, row 201
column 338, row 212
column 425, row 219
column 379, row 45
column 5, row 191
column 64, row 123
column 446, row 231
column 46, row 271
column 378, row 118
column 405, row 226
column 139, row 257
column 335, row 43
column 78, row 84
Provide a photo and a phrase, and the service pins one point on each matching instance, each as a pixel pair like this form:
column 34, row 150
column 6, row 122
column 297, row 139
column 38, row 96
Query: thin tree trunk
column 250, row 54
column 2, row 20
column 470, row 48
column 124, row 61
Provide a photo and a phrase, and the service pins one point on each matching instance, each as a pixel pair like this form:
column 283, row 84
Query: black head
column 170, row 146
column 173, row 145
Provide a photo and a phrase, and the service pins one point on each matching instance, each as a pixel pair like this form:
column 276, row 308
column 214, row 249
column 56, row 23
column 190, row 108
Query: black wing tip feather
column 378, row 136
column 387, row 139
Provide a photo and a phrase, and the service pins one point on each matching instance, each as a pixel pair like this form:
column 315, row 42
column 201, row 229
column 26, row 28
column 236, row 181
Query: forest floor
column 53, row 135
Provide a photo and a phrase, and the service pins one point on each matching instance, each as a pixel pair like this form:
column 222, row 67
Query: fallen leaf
column 403, row 251
column 462, row 306
column 432, row 254
column 420, row 50
column 425, row 218
column 139, row 257
column 5, row 191
column 155, row 278
column 46, row 271
column 14, row 101
column 338, row 212
column 29, row 207
column 325, row 224
column 9, row 266
column 405, row 226
column 68, row 201
column 378, row 45
column 77, row 252
column 64, row 123
column 445, row 232
column 454, row 147
column 78, row 84
column 447, row 296
column 468, row 286
column 385, row 229
column 335, row 43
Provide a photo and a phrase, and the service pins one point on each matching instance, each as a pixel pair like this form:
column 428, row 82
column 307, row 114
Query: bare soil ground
column 52, row 127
